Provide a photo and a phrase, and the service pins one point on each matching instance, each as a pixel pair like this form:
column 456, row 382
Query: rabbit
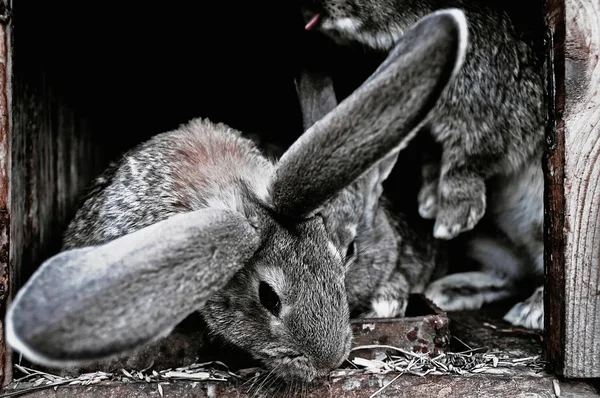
column 486, row 140
column 197, row 219
column 508, row 245
column 491, row 120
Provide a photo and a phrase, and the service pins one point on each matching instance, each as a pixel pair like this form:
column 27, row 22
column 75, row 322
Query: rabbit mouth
column 294, row 368
column 313, row 22
column 338, row 28
column 313, row 18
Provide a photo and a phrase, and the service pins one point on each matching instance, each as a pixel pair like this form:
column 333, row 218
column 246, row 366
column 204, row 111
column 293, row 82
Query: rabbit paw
column 457, row 216
column 428, row 200
column 529, row 313
column 388, row 308
column 467, row 291
column 391, row 298
column 428, row 194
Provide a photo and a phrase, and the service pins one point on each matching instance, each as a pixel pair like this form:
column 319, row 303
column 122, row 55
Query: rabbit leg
column 529, row 313
column 390, row 298
column 468, row 290
column 461, row 196
column 430, row 176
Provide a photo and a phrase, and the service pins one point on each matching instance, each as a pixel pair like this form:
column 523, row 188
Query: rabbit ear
column 95, row 302
column 371, row 186
column 316, row 95
column 375, row 120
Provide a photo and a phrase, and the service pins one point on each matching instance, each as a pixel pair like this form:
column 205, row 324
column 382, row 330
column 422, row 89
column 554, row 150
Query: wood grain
column 349, row 387
column 53, row 160
column 578, row 332
column 554, row 204
column 5, row 169
column 53, row 156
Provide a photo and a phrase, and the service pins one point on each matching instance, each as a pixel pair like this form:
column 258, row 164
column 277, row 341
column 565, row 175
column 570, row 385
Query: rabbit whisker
column 260, row 386
column 252, row 379
column 270, row 383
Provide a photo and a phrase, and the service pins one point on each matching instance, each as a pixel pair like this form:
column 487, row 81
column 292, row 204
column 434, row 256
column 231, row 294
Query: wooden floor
column 478, row 329
column 409, row 386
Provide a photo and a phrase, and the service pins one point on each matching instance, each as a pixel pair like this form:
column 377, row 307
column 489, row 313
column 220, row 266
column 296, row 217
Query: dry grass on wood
column 393, row 360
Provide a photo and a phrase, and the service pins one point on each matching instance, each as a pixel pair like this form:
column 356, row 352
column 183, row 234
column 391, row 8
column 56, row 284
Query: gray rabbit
column 275, row 255
column 489, row 126
column 508, row 245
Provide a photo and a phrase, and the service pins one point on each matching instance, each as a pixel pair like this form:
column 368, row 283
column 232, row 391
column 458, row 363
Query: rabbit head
column 378, row 24
column 267, row 273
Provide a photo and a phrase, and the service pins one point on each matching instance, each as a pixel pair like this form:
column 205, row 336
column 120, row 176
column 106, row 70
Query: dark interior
column 91, row 81
column 136, row 70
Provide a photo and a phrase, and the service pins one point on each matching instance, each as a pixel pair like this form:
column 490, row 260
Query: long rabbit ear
column 376, row 119
column 316, row 96
column 96, row 302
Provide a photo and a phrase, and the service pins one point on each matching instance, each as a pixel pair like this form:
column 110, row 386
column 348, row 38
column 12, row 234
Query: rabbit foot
column 467, row 291
column 428, row 201
column 387, row 308
column 428, row 194
column 456, row 217
column 428, row 206
column 529, row 313
column 391, row 298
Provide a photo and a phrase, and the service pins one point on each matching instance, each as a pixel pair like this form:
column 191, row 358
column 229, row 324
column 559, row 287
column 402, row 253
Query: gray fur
column 490, row 127
column 136, row 287
column 316, row 96
column 490, row 121
column 297, row 190
column 298, row 230
column 529, row 313
column 508, row 244
column 199, row 165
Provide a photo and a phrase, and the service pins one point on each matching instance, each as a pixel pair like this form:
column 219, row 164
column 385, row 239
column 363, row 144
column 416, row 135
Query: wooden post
column 48, row 155
column 5, row 168
column 573, row 189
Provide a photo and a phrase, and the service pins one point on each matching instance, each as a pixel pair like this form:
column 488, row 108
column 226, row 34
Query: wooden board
column 5, row 169
column 358, row 386
column 573, row 202
column 52, row 156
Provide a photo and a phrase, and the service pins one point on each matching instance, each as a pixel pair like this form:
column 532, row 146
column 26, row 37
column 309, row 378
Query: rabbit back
column 201, row 164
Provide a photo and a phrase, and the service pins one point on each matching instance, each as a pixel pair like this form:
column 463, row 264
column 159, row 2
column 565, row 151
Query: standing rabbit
column 273, row 255
column 489, row 126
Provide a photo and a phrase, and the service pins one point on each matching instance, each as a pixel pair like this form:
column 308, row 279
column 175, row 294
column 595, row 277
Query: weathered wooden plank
column 53, row 156
column 5, row 168
column 574, row 287
column 357, row 386
column 554, row 205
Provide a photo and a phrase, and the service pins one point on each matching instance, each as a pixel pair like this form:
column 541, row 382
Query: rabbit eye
column 351, row 252
column 268, row 298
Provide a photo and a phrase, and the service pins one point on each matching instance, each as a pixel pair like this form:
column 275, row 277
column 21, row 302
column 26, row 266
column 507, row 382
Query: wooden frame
column 5, row 187
column 573, row 200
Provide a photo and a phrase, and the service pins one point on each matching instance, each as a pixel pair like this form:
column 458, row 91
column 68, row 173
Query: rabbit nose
column 337, row 356
column 323, row 367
